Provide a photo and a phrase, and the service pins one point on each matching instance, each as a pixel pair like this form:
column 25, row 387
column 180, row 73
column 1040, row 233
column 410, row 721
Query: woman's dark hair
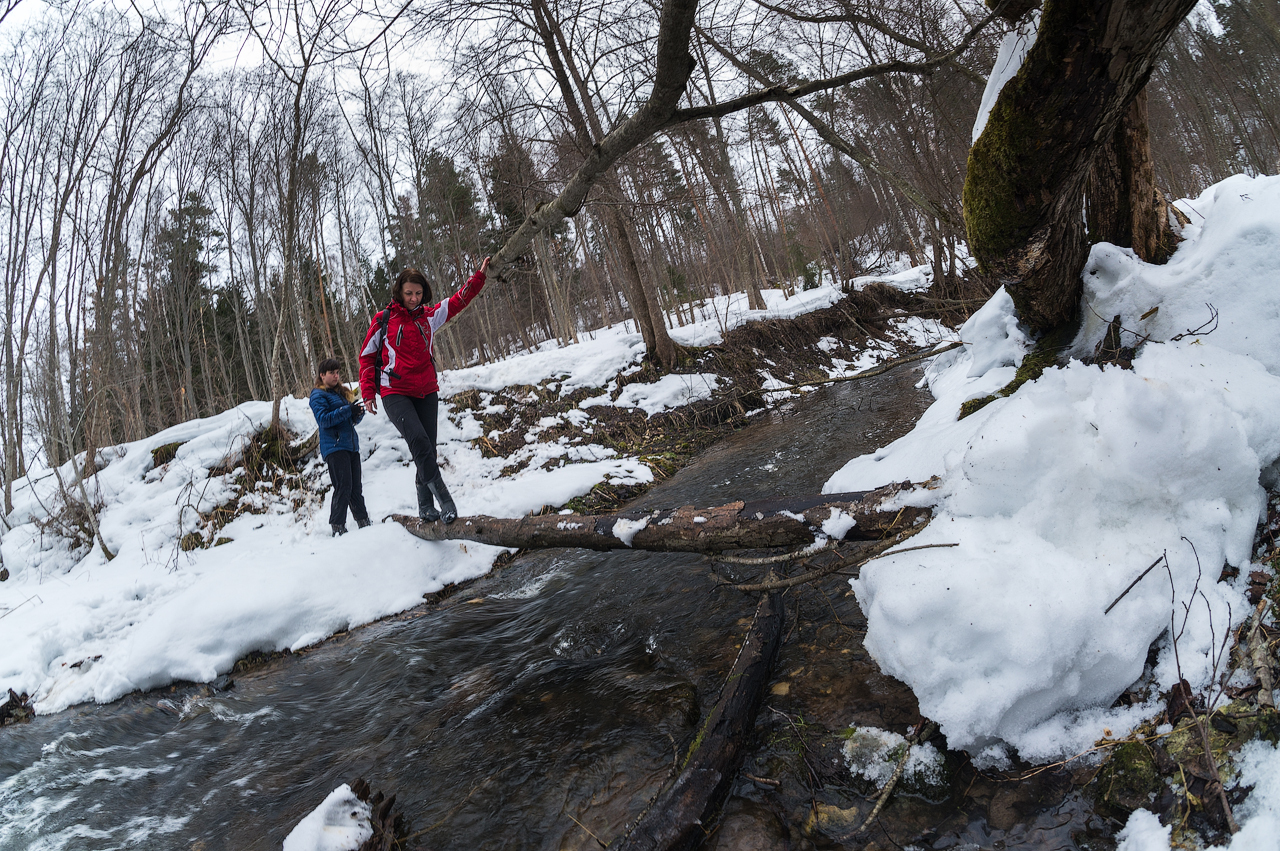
column 410, row 275
column 328, row 365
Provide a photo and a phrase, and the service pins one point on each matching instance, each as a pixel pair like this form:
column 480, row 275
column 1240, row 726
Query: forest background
column 200, row 202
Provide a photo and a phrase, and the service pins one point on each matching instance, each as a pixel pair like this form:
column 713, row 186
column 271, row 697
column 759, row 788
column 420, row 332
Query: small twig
column 23, row 603
column 1196, row 718
column 763, row 781
column 1133, row 583
column 588, row 830
column 877, row 370
column 921, row 736
column 782, row 584
column 876, row 551
column 778, row 559
column 1200, row 332
column 1259, row 657
column 909, row 549
column 1142, row 339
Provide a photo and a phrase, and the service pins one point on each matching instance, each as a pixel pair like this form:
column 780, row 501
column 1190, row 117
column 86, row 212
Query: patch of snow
column 873, row 754
column 1013, row 52
column 670, row 391
column 340, row 823
column 838, row 524
column 626, row 530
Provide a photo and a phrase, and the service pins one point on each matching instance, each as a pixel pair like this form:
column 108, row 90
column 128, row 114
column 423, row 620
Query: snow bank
column 1060, row 495
column 603, row 353
column 78, row 627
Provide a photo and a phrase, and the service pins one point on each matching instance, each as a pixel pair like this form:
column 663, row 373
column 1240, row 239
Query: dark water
column 541, row 708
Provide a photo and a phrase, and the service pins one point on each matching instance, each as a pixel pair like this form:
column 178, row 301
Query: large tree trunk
column 1027, row 172
column 793, row 522
column 641, row 297
column 1123, row 205
column 589, row 131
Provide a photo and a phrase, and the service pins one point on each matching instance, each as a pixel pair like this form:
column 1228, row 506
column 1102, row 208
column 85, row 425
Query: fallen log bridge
column 791, row 522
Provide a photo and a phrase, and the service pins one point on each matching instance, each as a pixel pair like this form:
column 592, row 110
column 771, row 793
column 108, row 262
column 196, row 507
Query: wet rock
column 1002, row 812
column 748, row 828
column 836, row 822
column 1131, row 778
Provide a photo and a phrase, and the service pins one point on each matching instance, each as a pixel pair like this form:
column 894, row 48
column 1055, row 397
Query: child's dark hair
column 410, row 275
column 332, row 365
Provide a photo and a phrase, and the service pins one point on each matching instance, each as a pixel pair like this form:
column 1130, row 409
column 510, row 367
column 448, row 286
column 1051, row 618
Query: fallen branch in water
column 685, row 810
column 797, row 521
column 875, row 551
column 875, row 370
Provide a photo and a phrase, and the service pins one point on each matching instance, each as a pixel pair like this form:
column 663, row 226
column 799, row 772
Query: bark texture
column 1123, row 204
column 794, row 522
column 1027, row 172
column 685, row 811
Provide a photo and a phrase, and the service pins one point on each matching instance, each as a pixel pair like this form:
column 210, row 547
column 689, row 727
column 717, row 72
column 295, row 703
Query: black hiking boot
column 426, row 508
column 360, row 524
column 338, row 529
column 448, row 511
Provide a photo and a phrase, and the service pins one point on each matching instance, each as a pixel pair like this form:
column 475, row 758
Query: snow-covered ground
column 1060, row 495
column 1056, row 497
column 76, row 627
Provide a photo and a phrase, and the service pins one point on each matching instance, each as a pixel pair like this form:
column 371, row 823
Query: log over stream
column 788, row 522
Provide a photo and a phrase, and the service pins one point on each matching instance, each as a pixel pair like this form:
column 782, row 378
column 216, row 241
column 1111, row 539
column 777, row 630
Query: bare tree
column 298, row 44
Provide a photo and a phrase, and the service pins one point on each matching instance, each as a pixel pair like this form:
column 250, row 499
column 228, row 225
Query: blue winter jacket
column 337, row 419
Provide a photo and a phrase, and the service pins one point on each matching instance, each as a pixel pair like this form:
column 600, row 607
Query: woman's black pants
column 344, row 471
column 415, row 419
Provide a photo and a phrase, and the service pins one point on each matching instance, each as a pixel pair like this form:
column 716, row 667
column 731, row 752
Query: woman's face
column 412, row 294
column 334, row 378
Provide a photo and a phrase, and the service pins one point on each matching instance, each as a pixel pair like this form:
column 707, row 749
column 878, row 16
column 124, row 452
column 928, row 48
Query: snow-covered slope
column 1060, row 495
column 75, row 627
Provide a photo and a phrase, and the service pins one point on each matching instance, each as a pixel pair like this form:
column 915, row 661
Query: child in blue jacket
column 337, row 411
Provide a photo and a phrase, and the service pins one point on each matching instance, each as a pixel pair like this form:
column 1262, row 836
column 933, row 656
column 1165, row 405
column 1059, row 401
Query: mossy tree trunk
column 1029, row 169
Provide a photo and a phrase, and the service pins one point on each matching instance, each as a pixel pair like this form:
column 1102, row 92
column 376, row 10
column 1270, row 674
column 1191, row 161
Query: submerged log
column 685, row 810
column 792, row 522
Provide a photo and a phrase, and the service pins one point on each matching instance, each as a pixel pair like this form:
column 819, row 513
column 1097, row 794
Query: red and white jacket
column 407, row 365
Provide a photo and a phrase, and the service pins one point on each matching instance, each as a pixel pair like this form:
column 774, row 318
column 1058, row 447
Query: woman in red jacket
column 396, row 363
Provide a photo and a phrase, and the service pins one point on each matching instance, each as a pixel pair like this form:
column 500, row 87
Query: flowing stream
column 541, row 707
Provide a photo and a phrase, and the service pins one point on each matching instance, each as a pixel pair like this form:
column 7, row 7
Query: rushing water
column 540, row 708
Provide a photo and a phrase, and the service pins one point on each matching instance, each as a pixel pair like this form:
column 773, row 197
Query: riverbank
column 220, row 536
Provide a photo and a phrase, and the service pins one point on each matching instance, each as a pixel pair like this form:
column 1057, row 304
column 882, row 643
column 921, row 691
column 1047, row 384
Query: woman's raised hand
column 484, row 266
